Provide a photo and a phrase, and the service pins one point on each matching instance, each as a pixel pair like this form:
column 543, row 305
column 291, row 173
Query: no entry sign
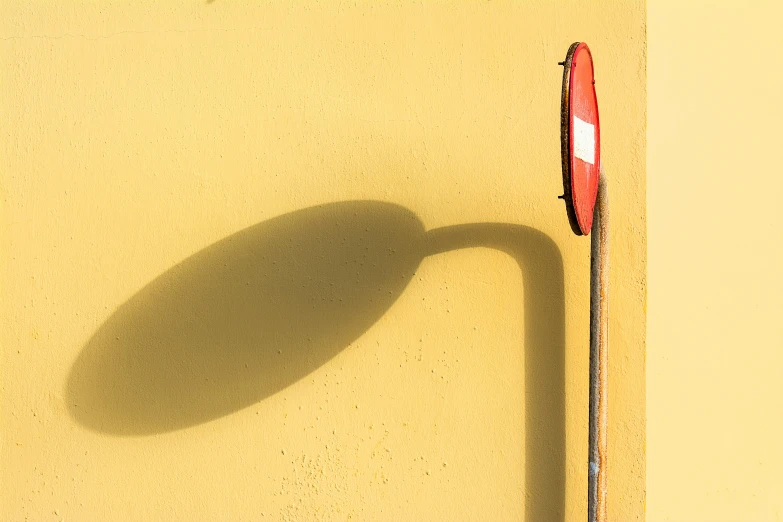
column 586, row 194
column 580, row 138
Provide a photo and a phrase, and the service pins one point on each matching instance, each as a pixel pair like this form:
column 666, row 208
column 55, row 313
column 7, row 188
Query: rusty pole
column 599, row 353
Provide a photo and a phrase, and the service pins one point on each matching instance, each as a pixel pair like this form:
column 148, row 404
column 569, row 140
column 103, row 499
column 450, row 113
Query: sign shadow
column 259, row 310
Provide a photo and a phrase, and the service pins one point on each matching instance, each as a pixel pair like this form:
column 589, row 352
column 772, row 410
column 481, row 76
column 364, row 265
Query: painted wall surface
column 307, row 262
column 715, row 358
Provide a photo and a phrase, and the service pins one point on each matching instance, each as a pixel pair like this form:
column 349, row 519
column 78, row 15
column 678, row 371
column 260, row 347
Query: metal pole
column 599, row 353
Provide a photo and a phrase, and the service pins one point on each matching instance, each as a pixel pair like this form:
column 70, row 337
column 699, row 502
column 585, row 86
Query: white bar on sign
column 584, row 140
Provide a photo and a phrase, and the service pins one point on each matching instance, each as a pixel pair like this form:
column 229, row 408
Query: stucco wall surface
column 715, row 341
column 306, row 261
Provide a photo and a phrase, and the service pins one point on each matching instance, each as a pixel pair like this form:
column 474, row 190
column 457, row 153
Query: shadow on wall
column 261, row 309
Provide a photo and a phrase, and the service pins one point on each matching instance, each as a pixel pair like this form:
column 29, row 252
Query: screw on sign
column 587, row 204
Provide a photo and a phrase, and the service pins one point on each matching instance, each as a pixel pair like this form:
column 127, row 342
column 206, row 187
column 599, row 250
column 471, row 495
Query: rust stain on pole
column 599, row 354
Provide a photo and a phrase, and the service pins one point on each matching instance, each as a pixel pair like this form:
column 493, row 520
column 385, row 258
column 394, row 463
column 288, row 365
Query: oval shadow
column 244, row 318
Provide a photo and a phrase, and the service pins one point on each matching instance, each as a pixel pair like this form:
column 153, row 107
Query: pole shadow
column 257, row 311
column 541, row 264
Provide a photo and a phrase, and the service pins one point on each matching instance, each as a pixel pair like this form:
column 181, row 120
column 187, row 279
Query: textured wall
column 280, row 262
column 715, row 364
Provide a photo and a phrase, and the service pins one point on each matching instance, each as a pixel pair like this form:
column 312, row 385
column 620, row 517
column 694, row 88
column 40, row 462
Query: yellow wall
column 715, row 358
column 221, row 297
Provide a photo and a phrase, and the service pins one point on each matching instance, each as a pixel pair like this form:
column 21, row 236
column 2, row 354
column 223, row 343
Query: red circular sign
column 580, row 138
